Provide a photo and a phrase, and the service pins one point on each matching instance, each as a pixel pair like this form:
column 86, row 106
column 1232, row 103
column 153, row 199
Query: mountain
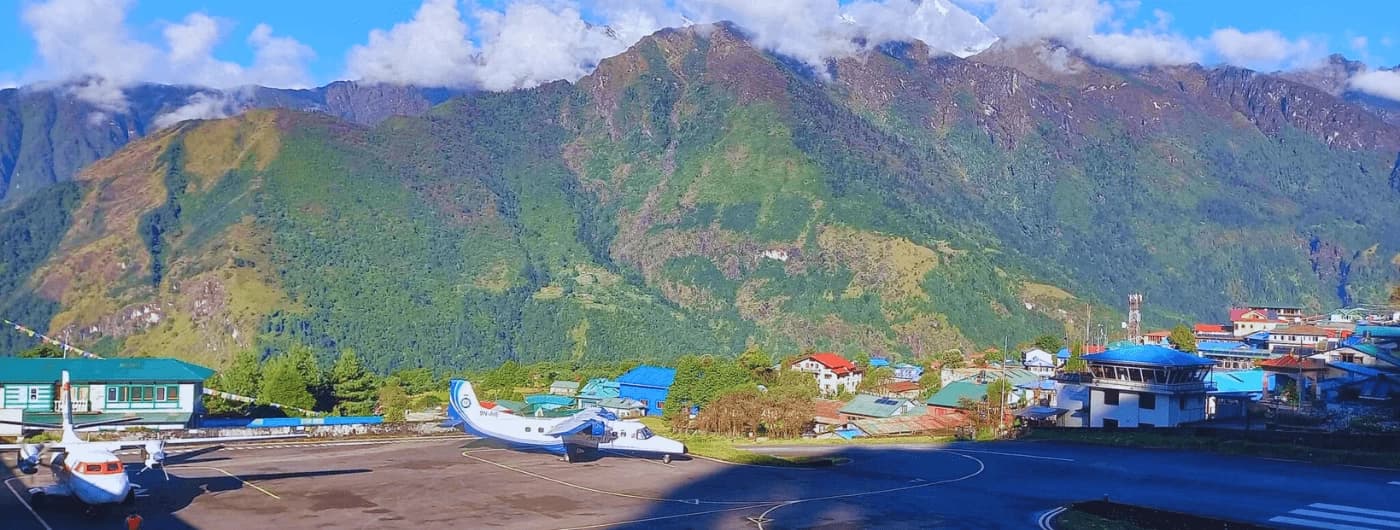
column 698, row 194
column 47, row 134
column 1334, row 76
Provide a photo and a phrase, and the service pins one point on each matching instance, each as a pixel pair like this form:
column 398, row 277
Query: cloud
column 88, row 38
column 431, row 50
column 942, row 26
column 1359, row 44
column 1380, row 83
column 86, row 43
column 530, row 44
column 200, row 106
column 1262, row 50
column 1092, row 27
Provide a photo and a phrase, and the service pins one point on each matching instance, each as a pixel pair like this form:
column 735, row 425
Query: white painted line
column 1395, row 483
column 1347, row 518
column 1317, row 524
column 663, row 518
column 1021, row 455
column 1371, row 467
column 235, row 477
column 1289, row 460
column 1044, row 520
column 21, row 500
column 1353, row 509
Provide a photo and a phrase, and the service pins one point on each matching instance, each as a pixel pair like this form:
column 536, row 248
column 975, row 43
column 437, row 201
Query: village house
column 834, row 373
column 596, row 390
column 1286, row 312
column 1039, row 361
column 1230, row 355
column 1245, row 321
column 908, row 372
column 648, row 385
column 161, row 393
column 903, row 389
column 1215, row 332
column 564, row 388
column 1302, row 339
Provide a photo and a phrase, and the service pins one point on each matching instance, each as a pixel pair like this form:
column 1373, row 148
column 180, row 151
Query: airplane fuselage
column 93, row 476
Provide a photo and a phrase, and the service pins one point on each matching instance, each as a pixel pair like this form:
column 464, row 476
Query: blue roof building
column 877, row 362
column 596, row 390
column 1147, row 385
column 908, row 372
column 649, row 385
column 1232, row 355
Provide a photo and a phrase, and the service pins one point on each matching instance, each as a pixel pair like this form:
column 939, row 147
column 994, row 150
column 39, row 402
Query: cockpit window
column 113, row 467
column 644, row 433
column 92, row 468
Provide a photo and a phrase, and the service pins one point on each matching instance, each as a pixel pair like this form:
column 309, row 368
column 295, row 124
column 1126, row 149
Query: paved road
column 1030, row 477
column 462, row 483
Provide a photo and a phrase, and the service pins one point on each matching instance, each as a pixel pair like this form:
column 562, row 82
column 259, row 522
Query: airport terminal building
column 164, row 393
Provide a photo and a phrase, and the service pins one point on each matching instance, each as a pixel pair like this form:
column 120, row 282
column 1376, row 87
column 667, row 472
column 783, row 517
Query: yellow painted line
column 605, row 492
column 235, row 477
column 21, row 500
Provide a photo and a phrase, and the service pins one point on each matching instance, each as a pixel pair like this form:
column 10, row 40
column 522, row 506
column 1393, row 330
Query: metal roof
column 571, row 385
column 621, row 403
column 1149, row 355
column 15, row 370
column 654, row 376
column 1239, row 381
column 549, row 399
column 951, row 393
column 910, row 424
column 1386, row 332
column 599, row 388
column 873, row 406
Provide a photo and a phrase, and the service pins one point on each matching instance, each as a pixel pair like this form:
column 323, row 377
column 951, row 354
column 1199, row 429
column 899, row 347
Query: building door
column 82, row 399
column 1110, row 423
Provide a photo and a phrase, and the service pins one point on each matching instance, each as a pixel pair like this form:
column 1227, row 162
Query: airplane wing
column 591, row 418
column 136, row 444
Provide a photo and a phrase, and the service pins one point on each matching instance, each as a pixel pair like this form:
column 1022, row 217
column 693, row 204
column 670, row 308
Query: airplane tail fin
column 463, row 401
column 66, row 407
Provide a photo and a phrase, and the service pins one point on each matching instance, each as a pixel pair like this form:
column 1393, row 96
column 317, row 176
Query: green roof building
column 163, row 393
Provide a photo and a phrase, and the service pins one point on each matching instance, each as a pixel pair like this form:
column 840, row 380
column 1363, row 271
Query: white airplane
column 90, row 472
column 590, row 429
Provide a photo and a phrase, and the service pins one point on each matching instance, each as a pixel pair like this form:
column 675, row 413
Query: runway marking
column 664, row 517
column 1289, row 460
column 980, row 468
column 1335, row 517
column 1371, row 467
column 1347, row 518
column 775, row 504
column 1353, row 509
column 726, row 462
column 235, row 477
column 1395, row 483
column 1044, row 520
column 21, row 500
column 1022, row 455
column 1316, row 524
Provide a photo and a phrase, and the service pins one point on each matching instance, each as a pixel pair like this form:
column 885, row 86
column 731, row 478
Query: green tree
column 243, row 377
column 1076, row 362
column 876, row 377
column 998, row 390
column 930, row 383
column 1049, row 343
column 1182, row 339
column 756, row 361
column 419, row 380
column 304, row 358
column 284, row 383
column 352, row 386
column 42, row 351
column 393, row 401
column 952, row 359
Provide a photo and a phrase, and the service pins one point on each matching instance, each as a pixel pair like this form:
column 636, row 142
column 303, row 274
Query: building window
column 172, row 393
column 1110, row 397
column 34, row 393
column 160, row 393
column 1110, row 423
column 1147, row 401
column 111, row 393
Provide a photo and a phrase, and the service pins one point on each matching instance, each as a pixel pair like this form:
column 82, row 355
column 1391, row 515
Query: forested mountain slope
column 696, row 194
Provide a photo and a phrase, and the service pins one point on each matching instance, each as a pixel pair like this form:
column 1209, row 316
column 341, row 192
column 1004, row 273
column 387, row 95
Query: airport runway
column 460, row 483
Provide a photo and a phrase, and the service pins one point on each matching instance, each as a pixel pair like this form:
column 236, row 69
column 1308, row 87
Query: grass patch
column 735, row 449
column 1104, row 515
column 1152, row 440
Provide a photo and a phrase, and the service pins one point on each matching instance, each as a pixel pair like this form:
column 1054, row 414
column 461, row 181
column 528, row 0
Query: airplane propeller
column 29, row 457
column 155, row 457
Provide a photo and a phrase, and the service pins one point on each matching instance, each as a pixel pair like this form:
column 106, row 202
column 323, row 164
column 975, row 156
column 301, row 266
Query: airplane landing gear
column 665, row 459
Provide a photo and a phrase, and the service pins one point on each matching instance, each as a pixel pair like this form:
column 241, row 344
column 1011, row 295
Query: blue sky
column 331, row 28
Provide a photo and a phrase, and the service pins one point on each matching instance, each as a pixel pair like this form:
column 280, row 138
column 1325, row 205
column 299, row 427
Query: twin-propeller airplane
column 91, row 472
column 591, row 429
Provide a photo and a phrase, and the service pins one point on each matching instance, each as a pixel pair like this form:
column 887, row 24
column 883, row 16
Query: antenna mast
column 1135, row 318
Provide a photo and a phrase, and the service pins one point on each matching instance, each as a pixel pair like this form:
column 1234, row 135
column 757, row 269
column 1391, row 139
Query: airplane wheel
column 568, row 456
column 665, row 459
column 130, row 499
